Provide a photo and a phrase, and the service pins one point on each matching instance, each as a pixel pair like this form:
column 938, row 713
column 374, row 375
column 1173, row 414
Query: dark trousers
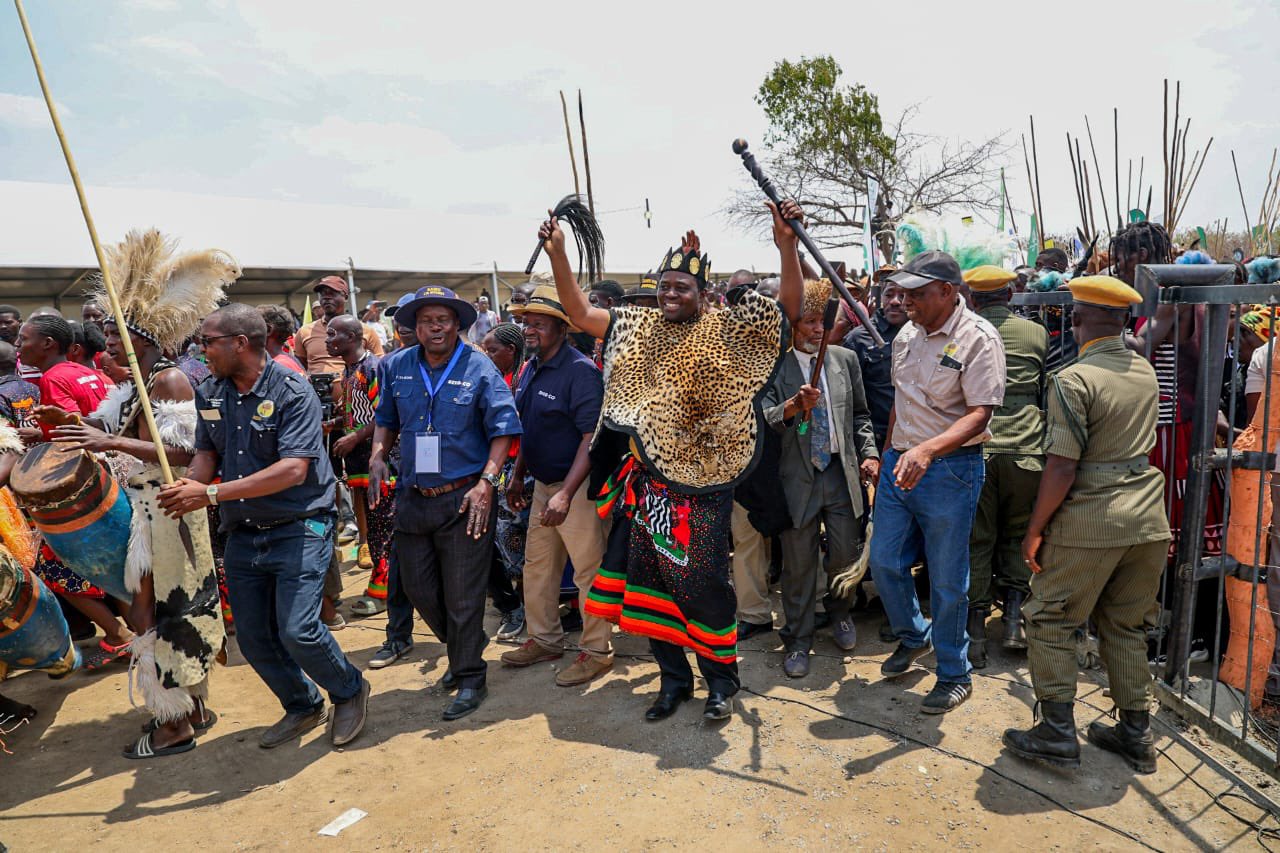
column 678, row 675
column 399, row 609
column 831, row 505
column 504, row 595
column 445, row 574
column 275, row 578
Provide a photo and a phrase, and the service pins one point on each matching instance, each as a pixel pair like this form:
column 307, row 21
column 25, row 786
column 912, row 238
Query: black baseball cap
column 926, row 267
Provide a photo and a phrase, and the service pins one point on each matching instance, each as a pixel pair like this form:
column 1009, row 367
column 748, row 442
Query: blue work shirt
column 473, row 407
column 278, row 418
column 559, row 401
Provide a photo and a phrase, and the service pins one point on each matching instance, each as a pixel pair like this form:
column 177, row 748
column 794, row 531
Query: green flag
column 1033, row 242
column 1204, row 239
column 1137, row 215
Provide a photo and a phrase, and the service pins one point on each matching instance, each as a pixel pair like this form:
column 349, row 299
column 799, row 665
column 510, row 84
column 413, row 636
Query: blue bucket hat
column 433, row 294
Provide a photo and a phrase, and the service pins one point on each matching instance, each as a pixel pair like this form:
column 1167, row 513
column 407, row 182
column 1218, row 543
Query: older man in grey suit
column 828, row 446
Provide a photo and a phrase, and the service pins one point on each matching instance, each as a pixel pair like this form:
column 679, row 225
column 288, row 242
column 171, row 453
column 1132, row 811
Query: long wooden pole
column 1115, row 116
column 139, row 382
column 1035, row 161
column 586, row 158
column 1247, row 223
column 573, row 161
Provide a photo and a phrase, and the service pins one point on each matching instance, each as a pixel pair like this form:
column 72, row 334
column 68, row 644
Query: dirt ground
column 541, row 767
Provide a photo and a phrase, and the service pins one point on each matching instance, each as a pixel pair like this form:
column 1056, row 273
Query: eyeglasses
column 205, row 340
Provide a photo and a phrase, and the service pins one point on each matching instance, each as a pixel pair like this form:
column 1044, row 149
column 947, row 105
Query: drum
column 81, row 510
column 33, row 631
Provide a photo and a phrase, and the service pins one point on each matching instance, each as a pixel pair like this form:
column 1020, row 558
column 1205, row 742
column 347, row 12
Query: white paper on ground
column 342, row 821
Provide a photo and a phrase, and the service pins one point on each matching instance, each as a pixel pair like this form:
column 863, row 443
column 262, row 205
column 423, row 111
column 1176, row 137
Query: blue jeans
column 275, row 578
column 932, row 520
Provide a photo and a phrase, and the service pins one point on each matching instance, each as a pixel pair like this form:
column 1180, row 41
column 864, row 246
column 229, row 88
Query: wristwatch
column 212, row 492
column 492, row 479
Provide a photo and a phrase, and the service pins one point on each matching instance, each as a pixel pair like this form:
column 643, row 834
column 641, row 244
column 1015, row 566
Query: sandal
column 210, row 717
column 105, row 654
column 337, row 623
column 367, row 606
column 143, row 748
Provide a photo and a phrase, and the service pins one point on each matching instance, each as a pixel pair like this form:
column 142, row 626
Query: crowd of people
column 582, row 460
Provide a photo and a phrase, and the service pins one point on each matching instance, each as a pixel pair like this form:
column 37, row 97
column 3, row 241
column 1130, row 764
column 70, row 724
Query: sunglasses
column 206, row 340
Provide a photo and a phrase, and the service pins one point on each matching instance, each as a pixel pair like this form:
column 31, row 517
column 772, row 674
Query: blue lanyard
column 432, row 391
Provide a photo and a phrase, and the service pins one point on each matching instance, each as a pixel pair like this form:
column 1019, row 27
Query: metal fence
column 1213, row 636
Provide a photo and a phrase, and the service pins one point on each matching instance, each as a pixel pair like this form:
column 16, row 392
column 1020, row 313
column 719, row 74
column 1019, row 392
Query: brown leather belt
column 437, row 491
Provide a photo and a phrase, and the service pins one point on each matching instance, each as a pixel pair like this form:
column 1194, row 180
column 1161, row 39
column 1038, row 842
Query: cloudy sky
column 445, row 118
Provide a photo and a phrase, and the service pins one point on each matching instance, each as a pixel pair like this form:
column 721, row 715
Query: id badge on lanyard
column 426, row 447
column 426, row 452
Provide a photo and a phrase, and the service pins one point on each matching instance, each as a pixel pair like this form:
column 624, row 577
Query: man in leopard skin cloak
column 170, row 567
column 683, row 388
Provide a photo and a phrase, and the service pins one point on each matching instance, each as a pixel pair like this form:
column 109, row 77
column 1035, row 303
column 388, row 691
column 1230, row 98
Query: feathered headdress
column 971, row 245
column 164, row 296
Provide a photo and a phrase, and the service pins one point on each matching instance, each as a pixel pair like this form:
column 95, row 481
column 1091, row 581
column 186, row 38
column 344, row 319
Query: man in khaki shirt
column 308, row 343
column 948, row 377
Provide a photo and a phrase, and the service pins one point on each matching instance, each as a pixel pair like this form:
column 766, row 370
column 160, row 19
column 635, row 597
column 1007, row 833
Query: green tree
column 826, row 138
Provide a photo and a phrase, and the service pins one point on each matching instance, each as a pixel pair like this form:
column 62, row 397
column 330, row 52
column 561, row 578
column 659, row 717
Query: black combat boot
column 1131, row 739
column 978, row 637
column 1052, row 740
column 1015, row 636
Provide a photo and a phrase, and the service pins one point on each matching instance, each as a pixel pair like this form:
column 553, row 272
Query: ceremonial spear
column 749, row 161
column 139, row 381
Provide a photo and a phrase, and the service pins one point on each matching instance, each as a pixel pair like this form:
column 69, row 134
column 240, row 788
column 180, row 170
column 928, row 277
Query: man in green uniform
column 1014, row 459
column 1098, row 535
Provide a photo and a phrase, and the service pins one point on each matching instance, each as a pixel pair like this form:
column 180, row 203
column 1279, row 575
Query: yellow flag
column 306, row 312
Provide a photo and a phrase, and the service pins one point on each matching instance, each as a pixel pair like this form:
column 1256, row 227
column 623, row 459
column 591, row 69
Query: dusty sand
column 541, row 767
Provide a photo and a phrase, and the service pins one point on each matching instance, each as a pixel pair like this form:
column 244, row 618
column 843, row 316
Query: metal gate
column 1212, row 660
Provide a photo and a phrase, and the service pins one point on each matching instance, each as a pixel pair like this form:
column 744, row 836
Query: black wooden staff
column 749, row 161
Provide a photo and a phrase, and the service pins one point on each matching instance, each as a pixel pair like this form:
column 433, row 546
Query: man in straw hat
column 1014, row 458
column 1098, row 535
column 454, row 418
column 558, row 396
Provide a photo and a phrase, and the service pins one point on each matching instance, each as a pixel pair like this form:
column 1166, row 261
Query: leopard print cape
column 688, row 394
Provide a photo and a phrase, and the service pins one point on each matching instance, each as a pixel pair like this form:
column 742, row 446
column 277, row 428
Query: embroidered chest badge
column 266, row 409
column 948, row 358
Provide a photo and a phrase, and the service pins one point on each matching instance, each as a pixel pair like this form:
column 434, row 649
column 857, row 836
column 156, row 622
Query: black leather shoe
column 449, row 681
column 978, row 637
column 747, row 630
column 467, row 700
column 666, row 704
column 719, row 707
column 902, row 658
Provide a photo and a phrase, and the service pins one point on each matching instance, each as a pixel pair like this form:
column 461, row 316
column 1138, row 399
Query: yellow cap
column 988, row 278
column 1103, row 291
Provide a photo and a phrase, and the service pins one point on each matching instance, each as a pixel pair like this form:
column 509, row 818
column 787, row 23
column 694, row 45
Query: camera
column 322, row 384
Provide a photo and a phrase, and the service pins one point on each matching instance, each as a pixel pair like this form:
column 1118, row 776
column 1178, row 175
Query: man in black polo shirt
column 558, row 397
column 259, row 429
column 877, row 362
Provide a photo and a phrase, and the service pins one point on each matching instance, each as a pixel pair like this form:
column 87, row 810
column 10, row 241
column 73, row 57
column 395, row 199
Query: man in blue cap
column 454, row 416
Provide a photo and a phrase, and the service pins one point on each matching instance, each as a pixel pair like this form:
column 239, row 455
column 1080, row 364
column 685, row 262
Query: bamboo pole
column 1165, row 149
column 573, row 161
column 1075, row 179
column 1115, row 115
column 1097, row 172
column 1247, row 223
column 1031, row 188
column 1035, row 159
column 144, row 400
column 586, row 159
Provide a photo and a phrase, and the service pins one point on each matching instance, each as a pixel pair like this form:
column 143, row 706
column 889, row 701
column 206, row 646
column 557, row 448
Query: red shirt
column 71, row 387
column 287, row 361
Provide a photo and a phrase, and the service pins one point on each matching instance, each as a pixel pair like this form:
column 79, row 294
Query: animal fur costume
column 164, row 298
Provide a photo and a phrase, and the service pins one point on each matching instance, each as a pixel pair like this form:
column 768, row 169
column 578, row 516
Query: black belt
column 271, row 525
column 963, row 451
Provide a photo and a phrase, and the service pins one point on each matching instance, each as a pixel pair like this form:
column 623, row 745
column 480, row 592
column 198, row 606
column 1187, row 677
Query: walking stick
column 749, row 161
column 144, row 400
column 815, row 376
